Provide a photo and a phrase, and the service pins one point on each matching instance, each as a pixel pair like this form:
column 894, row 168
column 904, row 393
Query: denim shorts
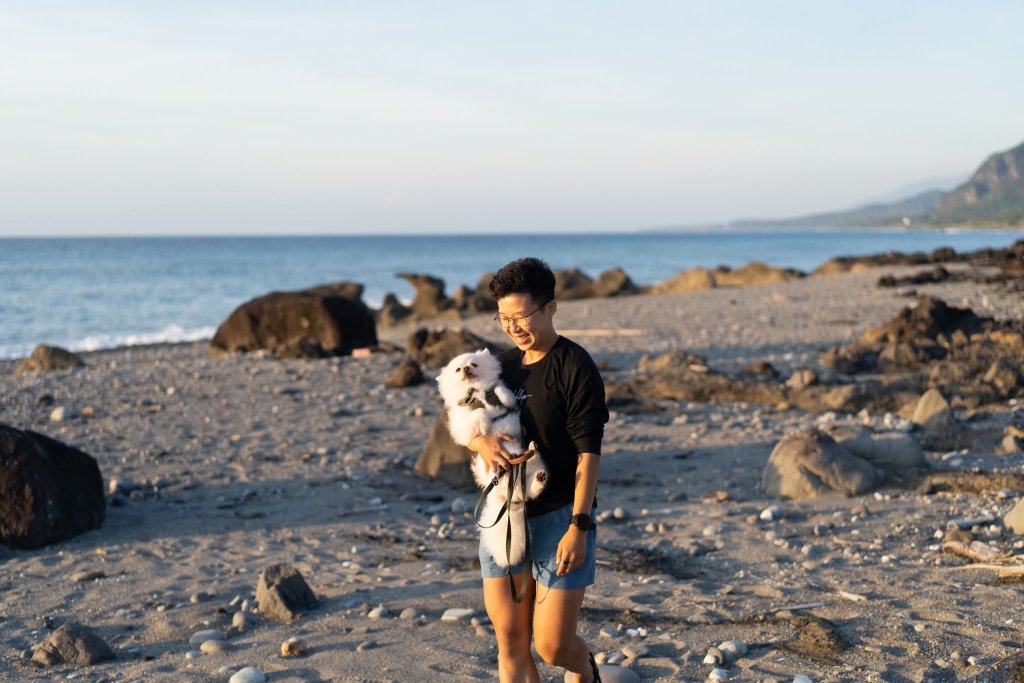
column 546, row 531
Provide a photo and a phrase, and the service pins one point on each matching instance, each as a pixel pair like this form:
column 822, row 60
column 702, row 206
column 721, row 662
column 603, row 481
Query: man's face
column 524, row 321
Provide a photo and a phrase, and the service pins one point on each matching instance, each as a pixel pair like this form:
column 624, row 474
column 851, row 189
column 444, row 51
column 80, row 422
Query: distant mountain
column 994, row 194
column 992, row 197
column 872, row 215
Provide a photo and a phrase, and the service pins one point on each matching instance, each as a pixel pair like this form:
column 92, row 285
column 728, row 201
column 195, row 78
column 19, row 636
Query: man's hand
column 572, row 550
column 489, row 446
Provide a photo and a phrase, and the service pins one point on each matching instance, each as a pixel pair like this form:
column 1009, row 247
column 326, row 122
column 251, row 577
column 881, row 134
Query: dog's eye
column 473, row 364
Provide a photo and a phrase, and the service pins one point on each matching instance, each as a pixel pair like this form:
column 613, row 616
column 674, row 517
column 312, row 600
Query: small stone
column 293, row 647
column 200, row 637
column 242, row 620
column 366, row 645
column 213, row 647
column 615, row 658
column 771, row 513
column 87, row 575
column 714, row 656
column 72, row 645
column 379, row 612
column 801, row 678
column 249, row 674
column 609, row 632
column 61, row 413
column 619, row 513
column 733, row 649
column 457, row 614
column 193, row 654
column 409, row 613
column 718, row 675
column 201, row 596
column 461, row 505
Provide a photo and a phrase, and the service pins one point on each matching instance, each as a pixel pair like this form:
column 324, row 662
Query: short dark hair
column 525, row 276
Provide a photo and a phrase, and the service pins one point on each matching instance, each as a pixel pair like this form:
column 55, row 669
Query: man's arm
column 587, row 465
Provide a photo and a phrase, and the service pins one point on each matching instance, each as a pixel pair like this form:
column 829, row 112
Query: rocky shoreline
column 217, row 468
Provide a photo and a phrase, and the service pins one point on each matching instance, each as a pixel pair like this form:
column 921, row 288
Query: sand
column 240, row 463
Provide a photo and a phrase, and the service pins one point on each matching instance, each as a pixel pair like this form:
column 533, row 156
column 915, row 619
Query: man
column 563, row 409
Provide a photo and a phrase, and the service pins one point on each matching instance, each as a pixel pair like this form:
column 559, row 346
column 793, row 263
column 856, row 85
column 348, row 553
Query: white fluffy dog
column 479, row 403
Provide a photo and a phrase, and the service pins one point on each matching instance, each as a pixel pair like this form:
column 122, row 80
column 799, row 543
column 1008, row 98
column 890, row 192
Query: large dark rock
column 392, row 311
column 437, row 347
column 810, row 464
column 573, row 283
column 313, row 323
column 430, row 298
column 72, row 645
column 444, row 460
column 49, row 491
column 47, row 358
column 407, row 374
column 614, row 282
column 283, row 593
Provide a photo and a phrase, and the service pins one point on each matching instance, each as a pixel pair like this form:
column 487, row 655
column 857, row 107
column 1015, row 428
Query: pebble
column 619, row 513
column 212, row 647
column 615, row 658
column 733, row 649
column 242, row 620
column 460, row 505
column 801, row 678
column 87, row 575
column 61, row 413
column 456, row 614
column 293, row 647
column 193, row 654
column 379, row 612
column 409, row 613
column 249, row 674
column 718, row 675
column 609, row 632
column 771, row 513
column 714, row 656
column 200, row 637
column 366, row 645
column 201, row 596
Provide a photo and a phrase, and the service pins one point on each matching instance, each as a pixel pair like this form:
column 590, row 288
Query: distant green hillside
column 994, row 195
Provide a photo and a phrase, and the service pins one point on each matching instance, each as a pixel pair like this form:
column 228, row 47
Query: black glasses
column 517, row 319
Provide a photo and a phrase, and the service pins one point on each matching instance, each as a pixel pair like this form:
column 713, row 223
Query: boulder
column 810, row 464
column 48, row 358
column 49, row 491
column 761, row 368
column 573, row 284
column 392, row 311
column 407, row 374
column 1014, row 519
column 283, row 593
column 693, row 280
column 889, row 451
column 801, row 379
column 473, row 301
column 311, row 323
column 430, row 298
column 72, row 645
column 444, row 460
column 932, row 412
column 1005, row 376
column 437, row 347
column 614, row 282
column 754, row 273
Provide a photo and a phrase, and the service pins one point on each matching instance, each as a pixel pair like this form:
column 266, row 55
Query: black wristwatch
column 582, row 522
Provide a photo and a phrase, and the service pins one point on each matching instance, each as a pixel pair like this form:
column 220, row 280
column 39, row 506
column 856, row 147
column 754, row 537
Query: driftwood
column 975, row 551
column 1005, row 570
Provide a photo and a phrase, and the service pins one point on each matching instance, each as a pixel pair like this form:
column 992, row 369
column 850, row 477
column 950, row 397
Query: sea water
column 89, row 293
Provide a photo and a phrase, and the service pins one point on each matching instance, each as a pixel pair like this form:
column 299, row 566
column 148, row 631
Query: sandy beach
column 229, row 465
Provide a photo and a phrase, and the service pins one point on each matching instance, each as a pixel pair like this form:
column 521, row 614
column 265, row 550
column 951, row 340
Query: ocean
column 91, row 293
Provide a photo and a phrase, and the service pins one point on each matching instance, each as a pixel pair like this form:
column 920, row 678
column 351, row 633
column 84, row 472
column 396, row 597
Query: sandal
column 593, row 668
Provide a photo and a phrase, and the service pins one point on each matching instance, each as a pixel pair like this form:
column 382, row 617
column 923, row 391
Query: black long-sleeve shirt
column 561, row 397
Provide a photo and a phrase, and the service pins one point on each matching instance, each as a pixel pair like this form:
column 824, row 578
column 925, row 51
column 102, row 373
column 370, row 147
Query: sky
column 306, row 117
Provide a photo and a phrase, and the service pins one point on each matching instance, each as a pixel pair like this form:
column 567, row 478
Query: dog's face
column 478, row 370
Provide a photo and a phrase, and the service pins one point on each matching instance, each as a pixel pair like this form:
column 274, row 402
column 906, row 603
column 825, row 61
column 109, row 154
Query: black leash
column 516, row 472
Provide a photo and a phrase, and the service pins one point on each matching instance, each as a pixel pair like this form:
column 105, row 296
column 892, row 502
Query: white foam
column 170, row 334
